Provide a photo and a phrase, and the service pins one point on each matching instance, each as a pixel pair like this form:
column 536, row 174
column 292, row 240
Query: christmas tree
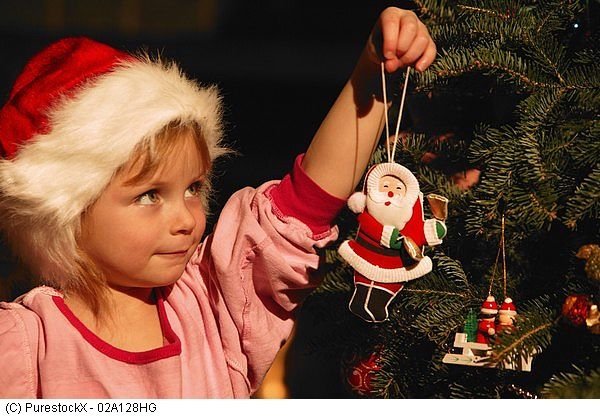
column 505, row 124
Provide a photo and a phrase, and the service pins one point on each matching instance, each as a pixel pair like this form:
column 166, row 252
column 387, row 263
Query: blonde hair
column 51, row 249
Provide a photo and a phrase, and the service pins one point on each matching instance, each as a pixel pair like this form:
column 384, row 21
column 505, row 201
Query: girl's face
column 142, row 235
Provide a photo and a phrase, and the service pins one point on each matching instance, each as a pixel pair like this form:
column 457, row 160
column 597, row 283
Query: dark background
column 279, row 64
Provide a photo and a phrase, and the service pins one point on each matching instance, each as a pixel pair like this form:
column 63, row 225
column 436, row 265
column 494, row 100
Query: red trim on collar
column 173, row 347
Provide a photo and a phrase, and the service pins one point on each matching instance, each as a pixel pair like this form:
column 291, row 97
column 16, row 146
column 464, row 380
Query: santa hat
column 508, row 308
column 76, row 113
column 358, row 201
column 489, row 306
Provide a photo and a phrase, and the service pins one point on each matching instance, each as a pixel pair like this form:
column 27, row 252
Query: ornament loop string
column 494, row 271
column 503, row 256
column 501, row 250
column 392, row 156
column 385, row 111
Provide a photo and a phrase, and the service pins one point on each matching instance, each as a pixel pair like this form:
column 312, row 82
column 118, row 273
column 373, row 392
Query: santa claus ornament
column 388, row 248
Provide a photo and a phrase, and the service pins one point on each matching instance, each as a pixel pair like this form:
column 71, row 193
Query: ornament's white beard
column 396, row 214
column 382, row 198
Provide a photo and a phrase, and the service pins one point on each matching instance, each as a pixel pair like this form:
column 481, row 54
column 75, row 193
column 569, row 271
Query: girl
column 103, row 184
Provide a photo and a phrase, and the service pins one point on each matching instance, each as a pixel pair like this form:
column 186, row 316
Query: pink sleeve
column 300, row 197
column 257, row 267
column 19, row 334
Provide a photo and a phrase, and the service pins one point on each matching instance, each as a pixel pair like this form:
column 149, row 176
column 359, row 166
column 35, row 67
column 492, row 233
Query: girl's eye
column 194, row 190
column 148, row 198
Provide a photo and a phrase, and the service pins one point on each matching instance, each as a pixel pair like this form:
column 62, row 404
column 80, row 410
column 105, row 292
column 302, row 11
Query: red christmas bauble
column 359, row 373
column 575, row 309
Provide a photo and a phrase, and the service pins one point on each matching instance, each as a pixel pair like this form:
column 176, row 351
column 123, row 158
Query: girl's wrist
column 366, row 78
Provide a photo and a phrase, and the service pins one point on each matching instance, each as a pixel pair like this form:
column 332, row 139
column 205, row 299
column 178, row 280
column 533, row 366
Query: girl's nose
column 184, row 222
column 390, row 194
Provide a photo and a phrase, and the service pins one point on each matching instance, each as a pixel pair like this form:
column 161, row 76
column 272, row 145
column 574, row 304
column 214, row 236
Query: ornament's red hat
column 508, row 308
column 489, row 306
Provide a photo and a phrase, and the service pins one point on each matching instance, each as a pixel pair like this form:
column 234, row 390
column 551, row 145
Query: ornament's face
column 505, row 319
column 392, row 187
column 387, row 203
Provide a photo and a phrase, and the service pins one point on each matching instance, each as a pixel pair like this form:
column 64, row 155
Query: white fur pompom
column 357, row 202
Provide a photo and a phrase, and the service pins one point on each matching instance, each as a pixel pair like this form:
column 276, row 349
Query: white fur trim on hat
column 489, row 306
column 357, row 202
column 94, row 132
column 382, row 275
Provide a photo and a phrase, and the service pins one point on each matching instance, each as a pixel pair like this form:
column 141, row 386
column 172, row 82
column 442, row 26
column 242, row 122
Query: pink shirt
column 223, row 321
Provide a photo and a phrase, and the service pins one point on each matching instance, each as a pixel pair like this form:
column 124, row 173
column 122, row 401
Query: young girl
column 106, row 159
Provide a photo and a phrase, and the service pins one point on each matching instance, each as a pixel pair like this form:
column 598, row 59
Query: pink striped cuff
column 298, row 196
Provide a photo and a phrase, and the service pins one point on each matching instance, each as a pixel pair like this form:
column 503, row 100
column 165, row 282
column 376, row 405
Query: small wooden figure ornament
column 487, row 321
column 493, row 322
column 506, row 317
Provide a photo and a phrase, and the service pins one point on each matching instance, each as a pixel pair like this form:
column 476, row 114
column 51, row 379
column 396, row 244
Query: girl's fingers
column 390, row 24
column 405, row 40
column 409, row 26
column 416, row 49
column 392, row 65
column 427, row 57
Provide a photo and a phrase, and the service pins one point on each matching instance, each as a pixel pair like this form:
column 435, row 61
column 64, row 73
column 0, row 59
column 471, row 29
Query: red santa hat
column 76, row 113
column 489, row 306
column 508, row 308
column 358, row 201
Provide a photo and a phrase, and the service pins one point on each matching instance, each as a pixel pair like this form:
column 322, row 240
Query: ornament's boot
column 370, row 299
column 359, row 300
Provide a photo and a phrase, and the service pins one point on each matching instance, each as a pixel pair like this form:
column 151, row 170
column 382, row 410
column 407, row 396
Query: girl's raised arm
column 343, row 144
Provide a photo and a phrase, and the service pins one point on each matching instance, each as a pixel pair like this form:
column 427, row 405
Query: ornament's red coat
column 484, row 330
column 370, row 230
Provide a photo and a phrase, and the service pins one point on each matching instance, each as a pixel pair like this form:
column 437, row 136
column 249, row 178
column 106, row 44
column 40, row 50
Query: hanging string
column 385, row 111
column 392, row 156
column 401, row 110
column 501, row 250
column 503, row 256
column 494, row 271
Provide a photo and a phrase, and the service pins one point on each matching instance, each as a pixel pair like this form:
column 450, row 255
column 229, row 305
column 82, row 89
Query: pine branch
column 535, row 112
column 489, row 60
column 550, row 55
column 532, row 333
column 434, row 11
column 585, row 200
column 576, row 385
column 489, row 12
column 584, row 146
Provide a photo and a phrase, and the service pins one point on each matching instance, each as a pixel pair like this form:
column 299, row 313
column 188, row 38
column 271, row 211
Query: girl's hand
column 400, row 39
